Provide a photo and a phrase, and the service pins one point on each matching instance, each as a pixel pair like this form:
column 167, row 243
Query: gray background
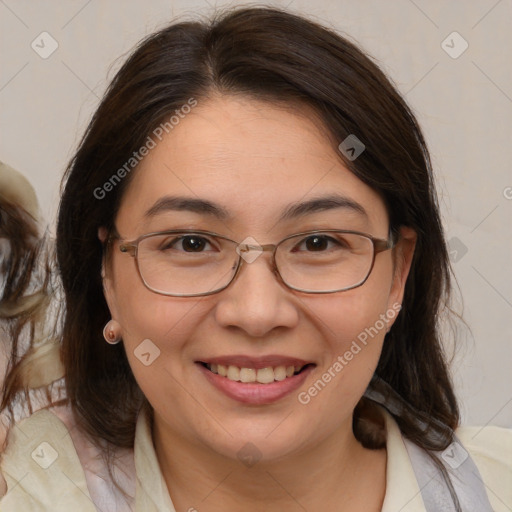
column 464, row 105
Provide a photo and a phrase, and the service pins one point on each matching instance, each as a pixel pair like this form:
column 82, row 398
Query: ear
column 403, row 254
column 102, row 236
column 106, row 274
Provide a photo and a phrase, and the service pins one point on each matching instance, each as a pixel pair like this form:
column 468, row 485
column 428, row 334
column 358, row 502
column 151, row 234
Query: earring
column 111, row 332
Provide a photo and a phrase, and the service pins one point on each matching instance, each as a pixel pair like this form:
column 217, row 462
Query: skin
column 254, row 159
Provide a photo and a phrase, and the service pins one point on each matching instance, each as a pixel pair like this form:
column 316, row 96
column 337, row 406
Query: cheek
column 355, row 337
column 156, row 335
column 167, row 322
column 354, row 329
column 354, row 324
column 348, row 315
column 144, row 314
column 155, row 328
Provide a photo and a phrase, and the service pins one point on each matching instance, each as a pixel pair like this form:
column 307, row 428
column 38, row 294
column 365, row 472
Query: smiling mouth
column 252, row 375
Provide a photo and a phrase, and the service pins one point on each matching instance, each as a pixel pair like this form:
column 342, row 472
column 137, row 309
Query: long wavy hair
column 273, row 55
column 26, row 292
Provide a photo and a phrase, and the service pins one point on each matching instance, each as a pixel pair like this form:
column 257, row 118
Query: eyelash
column 168, row 244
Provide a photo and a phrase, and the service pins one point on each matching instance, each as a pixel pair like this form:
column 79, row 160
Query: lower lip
column 254, row 392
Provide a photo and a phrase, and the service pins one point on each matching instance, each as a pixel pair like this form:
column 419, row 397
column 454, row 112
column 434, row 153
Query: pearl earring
column 111, row 332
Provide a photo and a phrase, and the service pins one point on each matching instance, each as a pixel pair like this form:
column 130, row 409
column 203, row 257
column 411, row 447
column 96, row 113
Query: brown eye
column 319, row 243
column 193, row 243
column 186, row 243
column 316, row 243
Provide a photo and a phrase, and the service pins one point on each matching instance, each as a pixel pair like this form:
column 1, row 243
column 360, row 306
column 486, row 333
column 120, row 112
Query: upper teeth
column 262, row 375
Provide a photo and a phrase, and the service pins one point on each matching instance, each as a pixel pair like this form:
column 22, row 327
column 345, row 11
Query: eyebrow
column 320, row 204
column 190, row 204
column 292, row 211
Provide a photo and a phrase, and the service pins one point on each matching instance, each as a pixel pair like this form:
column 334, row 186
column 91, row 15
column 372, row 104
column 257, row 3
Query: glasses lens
column 325, row 261
column 186, row 263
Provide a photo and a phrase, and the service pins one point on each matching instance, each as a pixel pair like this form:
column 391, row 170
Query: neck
column 336, row 475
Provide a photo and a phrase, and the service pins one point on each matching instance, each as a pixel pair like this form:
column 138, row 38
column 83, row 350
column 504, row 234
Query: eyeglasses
column 183, row 263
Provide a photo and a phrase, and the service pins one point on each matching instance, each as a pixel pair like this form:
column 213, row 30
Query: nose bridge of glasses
column 244, row 248
column 248, row 253
column 249, row 249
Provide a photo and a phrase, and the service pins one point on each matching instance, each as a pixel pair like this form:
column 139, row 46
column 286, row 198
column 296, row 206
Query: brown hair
column 272, row 55
column 20, row 231
column 25, row 294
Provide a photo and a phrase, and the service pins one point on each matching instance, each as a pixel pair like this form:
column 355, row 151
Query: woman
column 18, row 236
column 254, row 266
column 24, row 294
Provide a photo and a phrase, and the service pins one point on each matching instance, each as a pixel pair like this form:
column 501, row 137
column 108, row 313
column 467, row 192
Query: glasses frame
column 131, row 247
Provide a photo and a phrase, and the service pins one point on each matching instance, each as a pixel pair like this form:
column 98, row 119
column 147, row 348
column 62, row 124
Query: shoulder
column 491, row 449
column 40, row 424
column 491, row 446
column 41, row 453
column 45, row 421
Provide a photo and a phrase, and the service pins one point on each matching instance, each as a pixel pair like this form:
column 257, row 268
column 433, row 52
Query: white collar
column 63, row 486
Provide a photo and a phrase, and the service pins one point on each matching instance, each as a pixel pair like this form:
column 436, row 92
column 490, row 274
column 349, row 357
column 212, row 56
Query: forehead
column 252, row 157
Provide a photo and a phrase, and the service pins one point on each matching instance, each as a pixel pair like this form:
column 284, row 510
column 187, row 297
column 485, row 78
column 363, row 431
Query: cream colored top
column 48, row 468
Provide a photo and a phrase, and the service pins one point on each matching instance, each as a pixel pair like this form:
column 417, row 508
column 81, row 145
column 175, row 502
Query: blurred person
column 23, row 295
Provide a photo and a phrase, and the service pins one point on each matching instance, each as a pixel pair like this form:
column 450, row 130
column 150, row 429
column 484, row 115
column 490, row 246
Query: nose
column 256, row 301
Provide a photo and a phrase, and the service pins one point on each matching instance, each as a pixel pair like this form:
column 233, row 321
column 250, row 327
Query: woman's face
column 253, row 161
